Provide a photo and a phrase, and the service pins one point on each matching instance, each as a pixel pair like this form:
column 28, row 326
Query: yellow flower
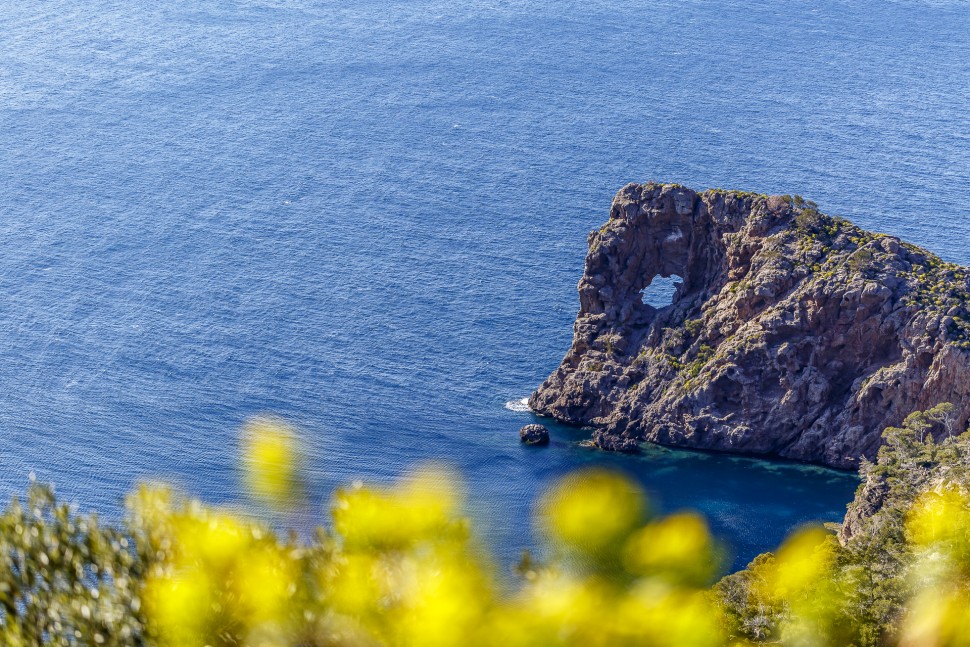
column 444, row 601
column 938, row 517
column 592, row 509
column 678, row 547
column 802, row 562
column 421, row 508
column 356, row 586
column 180, row 607
column 213, row 540
column 936, row 618
column 266, row 582
column 272, row 461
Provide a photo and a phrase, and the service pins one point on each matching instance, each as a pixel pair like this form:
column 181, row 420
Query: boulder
column 534, row 435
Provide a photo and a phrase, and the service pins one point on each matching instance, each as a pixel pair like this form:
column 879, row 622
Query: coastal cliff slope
column 792, row 334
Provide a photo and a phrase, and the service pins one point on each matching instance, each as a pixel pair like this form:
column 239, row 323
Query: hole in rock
column 661, row 290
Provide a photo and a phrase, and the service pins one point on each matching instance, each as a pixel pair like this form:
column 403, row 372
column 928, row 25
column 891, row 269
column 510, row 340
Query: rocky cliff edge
column 792, row 333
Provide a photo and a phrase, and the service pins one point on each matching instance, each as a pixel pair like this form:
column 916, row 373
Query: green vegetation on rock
column 892, row 554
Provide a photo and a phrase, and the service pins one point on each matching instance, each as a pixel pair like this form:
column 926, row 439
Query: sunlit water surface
column 370, row 218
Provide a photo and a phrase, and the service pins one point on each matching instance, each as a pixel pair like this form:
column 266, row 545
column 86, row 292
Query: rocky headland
column 792, row 333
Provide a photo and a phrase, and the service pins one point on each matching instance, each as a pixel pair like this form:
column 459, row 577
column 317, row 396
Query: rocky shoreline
column 792, row 334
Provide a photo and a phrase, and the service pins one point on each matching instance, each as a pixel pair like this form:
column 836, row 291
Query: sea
column 368, row 218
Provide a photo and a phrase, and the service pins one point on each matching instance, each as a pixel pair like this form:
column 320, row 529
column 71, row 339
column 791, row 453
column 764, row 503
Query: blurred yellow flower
column 802, row 562
column 180, row 606
column 266, row 582
column 678, row 547
column 592, row 509
column 938, row 516
column 271, row 458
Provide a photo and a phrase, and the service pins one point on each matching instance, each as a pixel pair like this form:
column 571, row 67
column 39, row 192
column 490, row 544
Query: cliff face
column 792, row 334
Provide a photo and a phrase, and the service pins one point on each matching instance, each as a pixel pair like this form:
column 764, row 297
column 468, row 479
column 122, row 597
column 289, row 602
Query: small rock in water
column 534, row 435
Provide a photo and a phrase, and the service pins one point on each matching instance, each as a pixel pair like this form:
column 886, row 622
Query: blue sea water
column 370, row 218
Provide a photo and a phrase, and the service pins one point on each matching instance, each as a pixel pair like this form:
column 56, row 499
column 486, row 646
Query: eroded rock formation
column 792, row 333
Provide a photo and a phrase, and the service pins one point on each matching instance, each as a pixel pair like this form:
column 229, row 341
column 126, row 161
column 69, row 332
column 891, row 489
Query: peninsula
column 792, row 333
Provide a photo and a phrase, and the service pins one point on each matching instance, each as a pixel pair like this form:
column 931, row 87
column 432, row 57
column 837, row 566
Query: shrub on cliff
column 901, row 560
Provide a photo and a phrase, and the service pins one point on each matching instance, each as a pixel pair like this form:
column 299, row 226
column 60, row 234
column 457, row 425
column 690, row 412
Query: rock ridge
column 792, row 333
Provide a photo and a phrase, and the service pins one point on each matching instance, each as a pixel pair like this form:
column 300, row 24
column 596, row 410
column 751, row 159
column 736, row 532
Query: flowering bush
column 401, row 566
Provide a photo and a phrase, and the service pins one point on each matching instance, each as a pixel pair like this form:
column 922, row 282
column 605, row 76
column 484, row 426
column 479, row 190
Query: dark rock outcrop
column 792, row 333
column 534, row 435
column 614, row 443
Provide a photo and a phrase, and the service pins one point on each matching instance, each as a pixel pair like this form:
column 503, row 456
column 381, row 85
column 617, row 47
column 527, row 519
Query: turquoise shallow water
column 370, row 218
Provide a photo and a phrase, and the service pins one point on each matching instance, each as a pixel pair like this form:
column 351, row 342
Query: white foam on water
column 519, row 406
